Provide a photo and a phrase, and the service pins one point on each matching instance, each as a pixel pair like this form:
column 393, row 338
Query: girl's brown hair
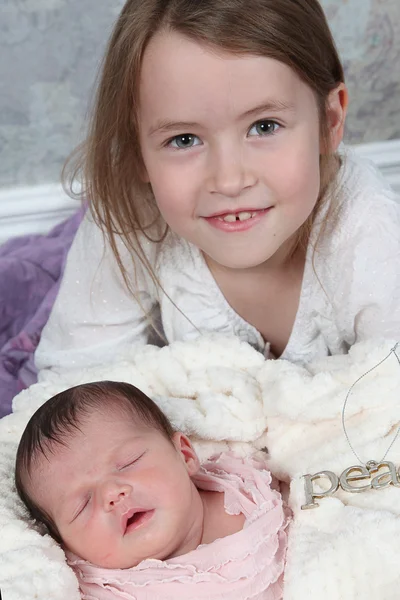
column 294, row 32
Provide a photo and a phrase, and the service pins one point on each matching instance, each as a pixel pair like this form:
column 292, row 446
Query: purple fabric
column 30, row 272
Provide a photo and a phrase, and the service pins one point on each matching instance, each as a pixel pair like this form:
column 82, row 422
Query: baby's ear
column 187, row 452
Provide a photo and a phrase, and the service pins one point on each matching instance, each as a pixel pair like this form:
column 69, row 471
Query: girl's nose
column 230, row 175
column 114, row 493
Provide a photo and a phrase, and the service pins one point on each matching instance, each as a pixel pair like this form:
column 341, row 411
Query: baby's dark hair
column 63, row 414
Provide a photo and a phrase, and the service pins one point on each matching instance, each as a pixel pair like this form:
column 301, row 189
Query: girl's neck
column 266, row 296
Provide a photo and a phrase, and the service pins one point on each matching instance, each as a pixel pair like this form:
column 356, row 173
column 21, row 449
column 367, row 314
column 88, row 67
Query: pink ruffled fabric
column 246, row 565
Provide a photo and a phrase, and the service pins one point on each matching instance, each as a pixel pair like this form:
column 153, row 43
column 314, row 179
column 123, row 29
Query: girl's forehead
column 181, row 75
column 182, row 54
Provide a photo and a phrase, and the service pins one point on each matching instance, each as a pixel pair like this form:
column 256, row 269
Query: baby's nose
column 114, row 494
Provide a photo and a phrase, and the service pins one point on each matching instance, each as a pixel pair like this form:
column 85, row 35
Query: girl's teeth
column 229, row 218
column 242, row 216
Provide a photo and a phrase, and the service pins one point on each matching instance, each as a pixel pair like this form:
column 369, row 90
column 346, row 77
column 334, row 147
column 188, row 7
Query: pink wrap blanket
column 246, row 565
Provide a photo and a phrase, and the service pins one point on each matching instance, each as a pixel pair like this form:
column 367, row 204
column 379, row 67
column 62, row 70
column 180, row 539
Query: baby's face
column 120, row 492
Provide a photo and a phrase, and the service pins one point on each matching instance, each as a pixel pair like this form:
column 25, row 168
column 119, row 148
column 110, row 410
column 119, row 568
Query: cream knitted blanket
column 226, row 396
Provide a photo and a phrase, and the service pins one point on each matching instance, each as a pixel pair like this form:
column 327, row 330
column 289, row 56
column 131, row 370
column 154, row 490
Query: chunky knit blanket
column 226, row 396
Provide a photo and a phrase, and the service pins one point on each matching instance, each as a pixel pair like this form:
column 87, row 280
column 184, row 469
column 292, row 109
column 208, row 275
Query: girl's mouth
column 237, row 221
column 241, row 216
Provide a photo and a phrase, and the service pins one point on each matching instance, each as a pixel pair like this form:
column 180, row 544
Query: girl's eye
column 262, row 128
column 186, row 140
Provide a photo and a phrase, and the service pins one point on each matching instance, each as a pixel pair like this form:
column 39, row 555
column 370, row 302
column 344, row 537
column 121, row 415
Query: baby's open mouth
column 137, row 519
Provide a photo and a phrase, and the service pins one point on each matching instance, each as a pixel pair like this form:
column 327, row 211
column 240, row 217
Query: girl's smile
column 241, row 220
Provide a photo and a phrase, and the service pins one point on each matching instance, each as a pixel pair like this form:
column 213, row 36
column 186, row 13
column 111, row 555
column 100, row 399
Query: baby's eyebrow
column 166, row 125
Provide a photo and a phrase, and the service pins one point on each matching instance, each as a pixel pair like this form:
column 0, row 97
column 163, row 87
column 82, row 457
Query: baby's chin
column 113, row 560
column 109, row 562
column 125, row 553
column 116, row 563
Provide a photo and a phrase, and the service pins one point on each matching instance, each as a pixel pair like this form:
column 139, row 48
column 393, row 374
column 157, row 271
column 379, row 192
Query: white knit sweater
column 350, row 293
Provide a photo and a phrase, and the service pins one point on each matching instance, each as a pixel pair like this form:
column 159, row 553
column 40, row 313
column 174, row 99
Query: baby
column 124, row 494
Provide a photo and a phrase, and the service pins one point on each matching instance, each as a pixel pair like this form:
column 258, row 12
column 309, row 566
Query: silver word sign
column 355, row 480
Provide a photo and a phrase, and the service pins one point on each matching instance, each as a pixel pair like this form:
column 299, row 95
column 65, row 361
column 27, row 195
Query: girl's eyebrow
column 269, row 106
column 165, row 125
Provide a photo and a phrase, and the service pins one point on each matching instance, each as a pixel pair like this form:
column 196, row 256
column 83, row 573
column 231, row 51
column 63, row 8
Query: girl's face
column 120, row 492
column 231, row 147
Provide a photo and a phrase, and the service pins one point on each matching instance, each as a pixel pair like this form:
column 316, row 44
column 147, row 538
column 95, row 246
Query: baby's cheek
column 94, row 547
column 162, row 487
column 104, row 557
column 82, row 537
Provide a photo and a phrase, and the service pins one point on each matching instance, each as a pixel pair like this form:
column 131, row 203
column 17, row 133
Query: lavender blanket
column 30, row 271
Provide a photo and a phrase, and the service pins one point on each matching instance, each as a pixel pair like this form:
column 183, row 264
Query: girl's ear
column 336, row 111
column 187, row 452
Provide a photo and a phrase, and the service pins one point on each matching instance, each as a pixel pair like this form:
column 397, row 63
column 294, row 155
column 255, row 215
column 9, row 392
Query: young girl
column 103, row 469
column 219, row 199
